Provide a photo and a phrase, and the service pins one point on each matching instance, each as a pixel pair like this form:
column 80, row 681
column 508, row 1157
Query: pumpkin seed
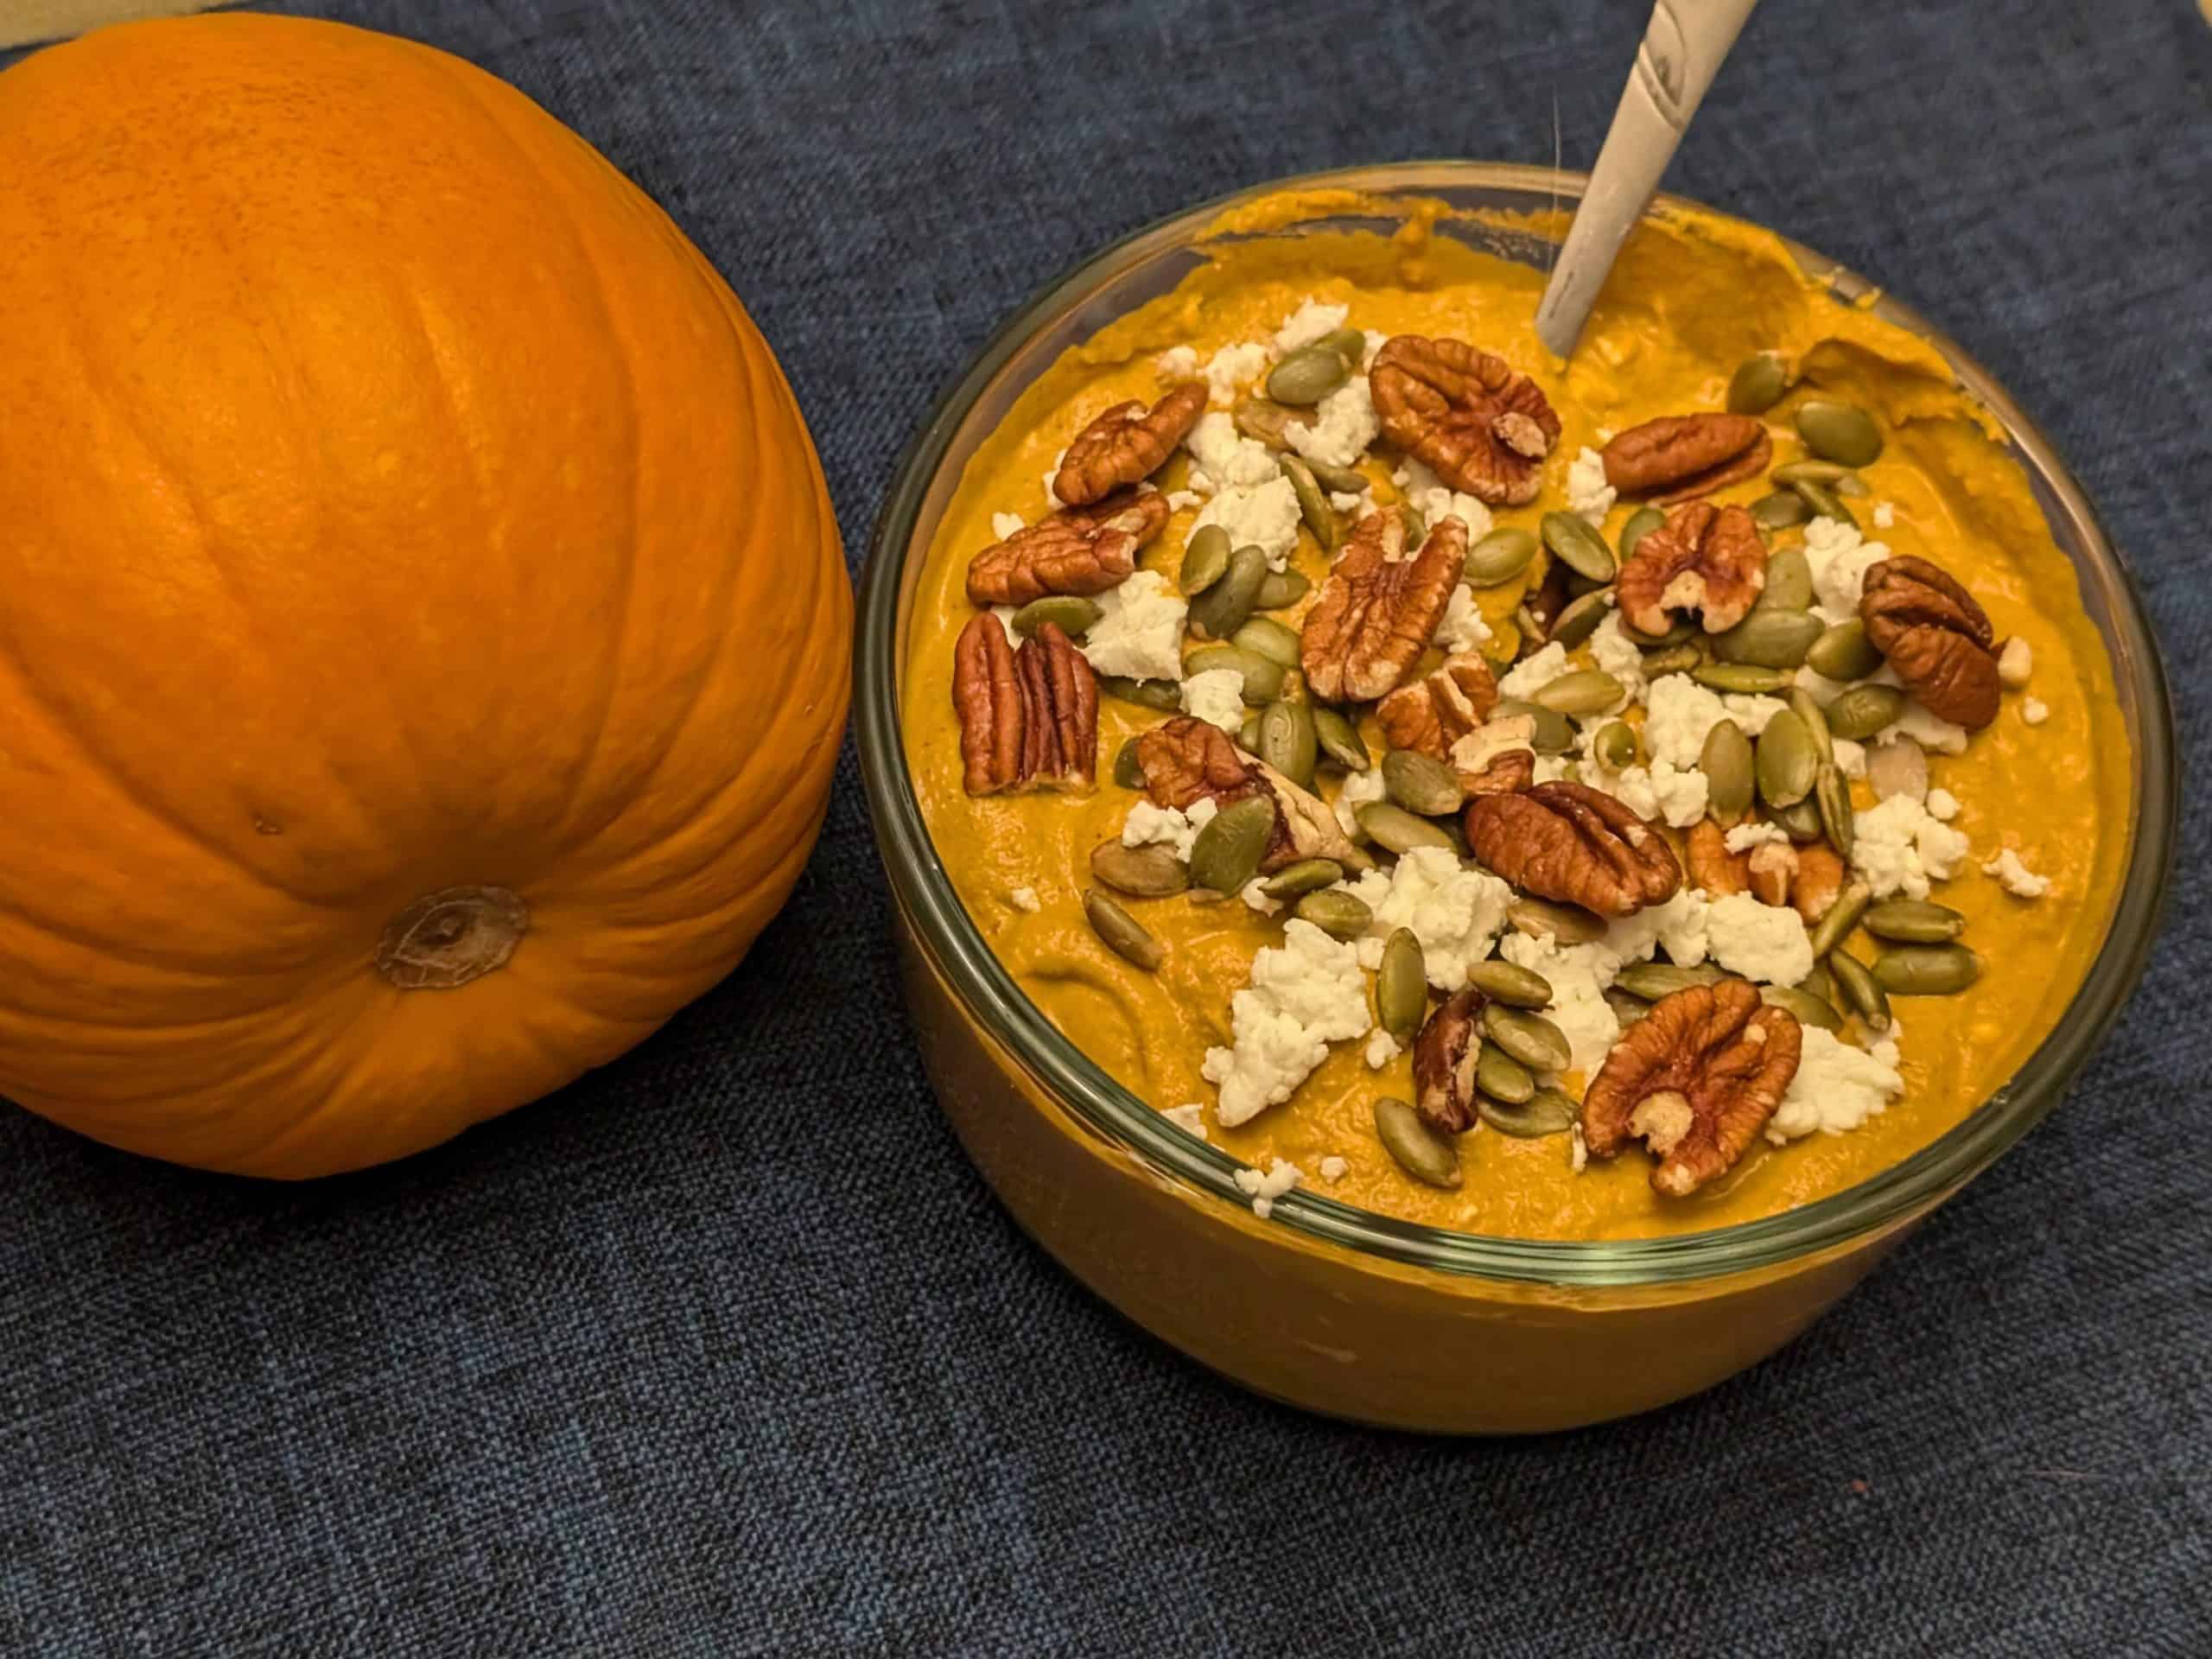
column 1281, row 589
column 1340, row 739
column 1844, row 652
column 1586, row 691
column 1614, row 745
column 1789, row 581
column 1809, row 1009
column 1832, row 795
column 1577, row 546
column 1416, row 526
column 1397, row 830
column 1262, row 675
column 1800, row 823
column 1248, row 734
column 1674, row 659
column 1771, row 638
column 1205, row 560
column 1787, row 764
column 1839, row 918
column 1810, row 472
column 1860, row 990
column 1927, row 969
column 1149, row 694
column 1802, row 705
column 1781, row 511
column 1149, row 872
column 1511, row 984
column 1655, row 981
column 1349, row 343
column 1529, row 1037
column 1312, row 502
column 1288, row 741
column 1339, row 915
column 1896, row 766
column 1070, row 612
column 1227, row 605
column 1530, row 630
column 1548, row 1111
column 1343, row 480
column 1824, row 502
column 1730, row 771
column 1264, row 421
column 1128, row 770
column 1842, row 433
column 1502, row 1078
column 1758, row 383
column 1681, row 632
column 1627, row 1009
column 1276, row 641
column 1541, row 919
column 1498, row 557
column 1401, row 985
column 1641, row 523
column 1852, row 484
column 1228, row 851
column 1864, row 710
column 1579, row 586
column 1580, row 619
column 1747, row 678
column 1121, row 931
column 1307, row 375
column 1429, row 1158
column 1308, row 875
column 1553, row 734
column 1915, row 921
column 1817, row 984
column 1422, row 784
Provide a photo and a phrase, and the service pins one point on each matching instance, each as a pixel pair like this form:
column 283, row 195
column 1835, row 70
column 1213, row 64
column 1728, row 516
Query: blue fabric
column 727, row 1351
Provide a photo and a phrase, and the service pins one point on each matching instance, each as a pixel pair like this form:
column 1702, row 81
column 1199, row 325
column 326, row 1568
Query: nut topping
column 1681, row 457
column 1076, row 551
column 1378, row 608
column 1696, row 1079
column 1445, row 1056
column 1437, row 710
column 1497, row 758
column 1126, row 444
column 1028, row 718
column 1703, row 559
column 1481, row 427
column 1571, row 842
column 1937, row 638
column 1187, row 758
column 1808, row 879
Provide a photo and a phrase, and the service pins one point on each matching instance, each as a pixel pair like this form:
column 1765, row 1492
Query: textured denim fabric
column 727, row 1351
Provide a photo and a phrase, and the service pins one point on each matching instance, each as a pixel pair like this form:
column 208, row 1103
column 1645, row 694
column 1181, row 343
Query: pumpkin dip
column 1724, row 934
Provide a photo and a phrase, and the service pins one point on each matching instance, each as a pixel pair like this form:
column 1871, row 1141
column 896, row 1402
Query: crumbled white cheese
column 1308, row 324
column 1577, row 975
column 1216, row 697
column 1765, row 943
column 1462, row 628
column 1615, row 652
column 1303, row 996
column 1167, row 826
column 1550, row 768
column 1885, row 515
column 1255, row 897
column 1751, row 713
column 1839, row 558
column 1264, row 516
column 1376, row 339
column 1439, row 501
column 2015, row 664
column 2017, row 878
column 1190, row 1118
column 1344, row 423
column 2034, row 710
column 1334, row 1168
column 1232, row 369
column 1942, row 805
column 1004, row 525
column 1837, row 1089
column 1178, row 363
column 1026, row 899
column 1899, row 847
column 1227, row 457
column 1588, row 496
column 1264, row 1190
column 1934, row 735
column 1578, row 1153
column 1382, row 1049
column 1533, row 674
column 1006, row 614
column 1680, row 712
column 1850, row 757
column 1659, row 790
column 1139, row 633
column 1359, row 505
column 1359, row 789
column 1180, row 499
column 1454, row 912
column 1682, row 925
column 1753, row 833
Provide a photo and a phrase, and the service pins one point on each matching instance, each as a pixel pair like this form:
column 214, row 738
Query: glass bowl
column 1338, row 1309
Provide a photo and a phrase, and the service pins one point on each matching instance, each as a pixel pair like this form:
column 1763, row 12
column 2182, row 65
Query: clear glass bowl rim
column 992, row 997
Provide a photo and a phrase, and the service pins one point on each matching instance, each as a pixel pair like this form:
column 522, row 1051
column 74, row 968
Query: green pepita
column 1501, row 1076
column 1800, row 823
column 1584, row 692
column 1780, row 511
column 1832, row 795
column 1844, row 652
column 1429, row 1158
column 1227, row 852
column 1817, row 984
column 1349, row 343
column 1510, row 983
column 1730, row 771
column 1248, row 734
column 1771, row 638
column 1397, row 830
column 1854, row 486
column 1915, row 921
column 1421, row 783
column 1205, row 560
column 1548, row 1111
column 1864, row 710
column 1401, row 986
column 1810, row 472
column 1340, row 739
column 1614, row 745
column 1787, row 764
column 1641, row 523
column 1498, row 557
column 1789, row 581
column 1122, row 932
column 1824, row 502
column 1288, row 741
column 1553, row 734
column 1262, row 676
column 1308, row 875
column 1627, row 1009
column 1581, row 616
column 1264, row 421
column 1529, row 1037
column 1281, row 589
column 1128, row 770
column 1655, row 981
column 1312, row 502
column 1530, row 630
column 1341, row 480
column 1673, row 660
column 1577, row 546
column 1842, row 433
column 1164, row 695
column 1839, row 918
column 1339, row 915
column 1541, row 919
column 1307, row 375
column 1809, row 1009
column 1149, row 872
column 1680, row 632
column 1758, row 383
column 1802, row 705
column 1860, row 990
column 1070, row 612
column 1748, row 679
column 1227, row 605
column 1927, row 969
column 1416, row 526
column 1276, row 641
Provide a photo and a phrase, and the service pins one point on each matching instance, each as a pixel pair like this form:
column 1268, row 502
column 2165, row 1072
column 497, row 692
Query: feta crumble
column 1679, row 712
column 1850, row 757
column 1006, row 525
column 1226, row 456
column 2015, row 877
column 1357, row 790
column 1942, row 805
column 1180, row 499
column 1190, row 1118
column 1766, row 943
column 1934, row 735
column 1334, row 1168
column 1262, row 515
column 1588, row 496
column 1312, row 320
column 1885, row 515
column 1254, row 894
column 1900, row 846
column 2034, row 710
column 1026, row 899
column 1264, row 1190
column 1615, row 652
column 1533, row 674
column 1454, row 912
column 1382, row 1049
column 1753, row 833
column 1178, row 363
column 1659, row 790
column 1462, row 628
column 1167, row 826
column 1439, row 502
column 1579, row 974
column 1578, row 1153
column 1344, row 423
column 1839, row 558
column 1836, row 1089
column 1303, row 996
column 1139, row 633
column 1215, row 696
column 1231, row 369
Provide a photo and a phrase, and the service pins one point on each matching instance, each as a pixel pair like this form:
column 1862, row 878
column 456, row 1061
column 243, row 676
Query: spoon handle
column 1681, row 52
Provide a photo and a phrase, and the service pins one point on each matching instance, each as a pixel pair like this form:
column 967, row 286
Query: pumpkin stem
column 445, row 939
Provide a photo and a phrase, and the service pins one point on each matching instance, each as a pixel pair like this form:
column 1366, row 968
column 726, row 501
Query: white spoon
column 1682, row 51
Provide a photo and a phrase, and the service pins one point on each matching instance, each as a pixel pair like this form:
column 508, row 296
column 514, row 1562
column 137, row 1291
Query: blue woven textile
column 727, row 1351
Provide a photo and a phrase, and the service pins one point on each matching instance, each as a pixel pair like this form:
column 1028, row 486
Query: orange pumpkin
column 424, row 632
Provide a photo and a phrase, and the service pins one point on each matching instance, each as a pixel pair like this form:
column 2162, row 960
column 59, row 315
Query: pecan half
column 1704, row 559
column 1028, row 718
column 1479, row 426
column 1378, row 608
column 1126, row 444
column 1696, row 1079
column 1937, row 638
column 1571, row 842
column 1076, row 551
column 1438, row 710
column 1444, row 1055
column 1681, row 457
column 1498, row 757
column 1808, row 879
column 1187, row 758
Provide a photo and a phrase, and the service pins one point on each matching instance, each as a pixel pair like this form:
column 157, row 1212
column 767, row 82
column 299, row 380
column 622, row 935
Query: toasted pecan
column 1704, row 559
column 1437, row 710
column 1076, row 550
column 1028, row 718
column 1444, row 1056
column 1935, row 636
column 1187, row 759
column 1469, row 415
column 1379, row 609
column 1126, row 444
column 1576, row 844
column 1681, row 457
